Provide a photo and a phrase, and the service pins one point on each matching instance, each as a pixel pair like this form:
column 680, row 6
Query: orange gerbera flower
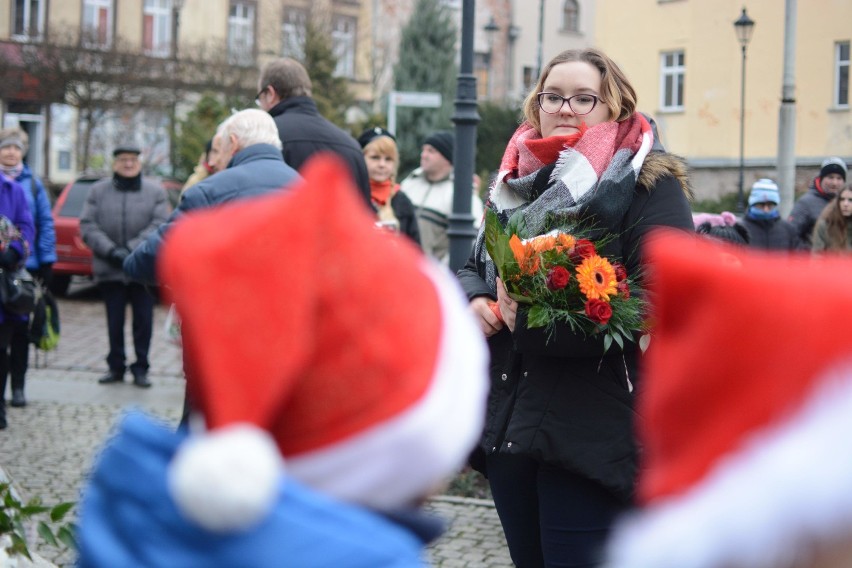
column 596, row 278
column 525, row 255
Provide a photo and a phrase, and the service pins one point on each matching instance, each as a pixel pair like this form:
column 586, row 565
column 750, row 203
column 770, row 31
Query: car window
column 76, row 198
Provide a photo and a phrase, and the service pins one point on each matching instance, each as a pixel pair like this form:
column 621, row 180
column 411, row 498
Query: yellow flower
column 596, row 278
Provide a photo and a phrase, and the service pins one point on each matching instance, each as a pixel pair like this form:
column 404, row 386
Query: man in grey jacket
column 118, row 214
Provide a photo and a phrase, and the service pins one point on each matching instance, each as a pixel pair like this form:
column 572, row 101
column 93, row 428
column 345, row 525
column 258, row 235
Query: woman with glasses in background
column 559, row 448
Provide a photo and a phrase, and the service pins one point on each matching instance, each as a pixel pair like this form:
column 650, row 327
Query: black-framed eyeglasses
column 257, row 97
column 581, row 104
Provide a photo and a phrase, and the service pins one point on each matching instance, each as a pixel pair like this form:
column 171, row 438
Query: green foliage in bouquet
column 562, row 277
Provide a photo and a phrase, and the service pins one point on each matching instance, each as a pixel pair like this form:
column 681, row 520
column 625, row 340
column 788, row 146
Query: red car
column 73, row 257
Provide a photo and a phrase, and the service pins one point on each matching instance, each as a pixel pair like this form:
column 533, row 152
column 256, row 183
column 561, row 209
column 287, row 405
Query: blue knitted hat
column 763, row 191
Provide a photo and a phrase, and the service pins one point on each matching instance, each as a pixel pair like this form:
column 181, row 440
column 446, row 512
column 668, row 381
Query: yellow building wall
column 203, row 21
column 128, row 21
column 5, row 18
column 65, row 16
column 637, row 32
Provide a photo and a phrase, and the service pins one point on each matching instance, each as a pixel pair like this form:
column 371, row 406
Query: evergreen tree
column 427, row 62
column 496, row 125
column 197, row 128
column 330, row 92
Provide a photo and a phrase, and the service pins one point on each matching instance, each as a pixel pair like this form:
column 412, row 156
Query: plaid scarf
column 590, row 183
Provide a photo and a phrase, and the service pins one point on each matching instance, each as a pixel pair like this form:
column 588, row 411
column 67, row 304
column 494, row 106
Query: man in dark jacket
column 766, row 228
column 829, row 182
column 255, row 167
column 284, row 90
column 118, row 214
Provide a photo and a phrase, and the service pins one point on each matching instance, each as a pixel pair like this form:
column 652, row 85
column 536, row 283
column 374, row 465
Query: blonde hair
column 384, row 146
column 616, row 91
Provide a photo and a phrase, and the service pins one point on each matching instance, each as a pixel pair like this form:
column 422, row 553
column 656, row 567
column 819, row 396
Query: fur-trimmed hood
column 660, row 164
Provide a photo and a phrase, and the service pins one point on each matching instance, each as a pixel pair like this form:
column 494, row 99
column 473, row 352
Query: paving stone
column 51, row 444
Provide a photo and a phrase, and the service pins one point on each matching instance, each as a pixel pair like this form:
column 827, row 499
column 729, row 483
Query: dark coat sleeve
column 471, row 282
column 664, row 205
column 403, row 210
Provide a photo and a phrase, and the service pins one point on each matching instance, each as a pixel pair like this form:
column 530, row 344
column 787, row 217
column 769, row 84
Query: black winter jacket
column 772, row 234
column 563, row 401
column 304, row 131
column 806, row 211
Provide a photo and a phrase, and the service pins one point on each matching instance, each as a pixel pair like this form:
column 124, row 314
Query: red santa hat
column 353, row 351
column 747, row 410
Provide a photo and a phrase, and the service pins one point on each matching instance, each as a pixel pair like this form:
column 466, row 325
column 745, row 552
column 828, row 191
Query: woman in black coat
column 559, row 447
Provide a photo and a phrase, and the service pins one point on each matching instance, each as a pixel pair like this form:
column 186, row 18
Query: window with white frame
column 27, row 19
column 672, row 74
column 571, row 16
column 293, row 33
column 157, row 27
column 343, row 44
column 841, row 74
column 528, row 78
column 241, row 33
column 97, row 22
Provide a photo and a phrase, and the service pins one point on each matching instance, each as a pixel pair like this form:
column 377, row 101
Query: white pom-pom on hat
column 228, row 479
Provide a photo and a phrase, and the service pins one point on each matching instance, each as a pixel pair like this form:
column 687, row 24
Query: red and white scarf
column 592, row 183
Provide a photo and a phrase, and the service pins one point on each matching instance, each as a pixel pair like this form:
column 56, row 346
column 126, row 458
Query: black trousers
column 15, row 360
column 116, row 296
column 551, row 517
column 6, row 328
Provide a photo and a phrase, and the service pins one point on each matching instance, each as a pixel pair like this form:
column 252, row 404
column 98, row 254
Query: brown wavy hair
column 616, row 91
column 835, row 222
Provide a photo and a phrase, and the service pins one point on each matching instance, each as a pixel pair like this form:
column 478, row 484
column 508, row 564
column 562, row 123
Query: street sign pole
column 417, row 99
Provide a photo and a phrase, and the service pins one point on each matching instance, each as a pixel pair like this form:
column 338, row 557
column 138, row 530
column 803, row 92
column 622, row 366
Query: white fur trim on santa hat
column 227, row 479
column 787, row 489
column 406, row 457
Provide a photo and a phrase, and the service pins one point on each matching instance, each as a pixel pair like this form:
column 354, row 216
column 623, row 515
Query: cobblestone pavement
column 50, row 444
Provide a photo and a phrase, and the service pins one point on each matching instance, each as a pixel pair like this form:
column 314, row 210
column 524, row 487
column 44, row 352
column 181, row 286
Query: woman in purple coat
column 16, row 234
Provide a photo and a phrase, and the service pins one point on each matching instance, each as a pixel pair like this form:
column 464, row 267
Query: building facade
column 685, row 61
column 87, row 74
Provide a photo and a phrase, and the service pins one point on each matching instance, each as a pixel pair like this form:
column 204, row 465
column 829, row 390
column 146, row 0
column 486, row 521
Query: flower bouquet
column 563, row 277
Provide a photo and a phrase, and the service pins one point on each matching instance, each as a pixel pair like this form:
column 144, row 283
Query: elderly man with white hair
column 252, row 151
column 250, row 165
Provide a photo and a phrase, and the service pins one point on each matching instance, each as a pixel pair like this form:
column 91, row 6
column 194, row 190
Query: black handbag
column 17, row 291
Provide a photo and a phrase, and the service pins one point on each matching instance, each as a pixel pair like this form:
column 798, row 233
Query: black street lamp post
column 744, row 27
column 461, row 232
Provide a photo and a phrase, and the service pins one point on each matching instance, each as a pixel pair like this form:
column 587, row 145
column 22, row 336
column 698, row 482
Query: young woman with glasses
column 558, row 447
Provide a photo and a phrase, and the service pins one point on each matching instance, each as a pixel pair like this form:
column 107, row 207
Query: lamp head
column 744, row 27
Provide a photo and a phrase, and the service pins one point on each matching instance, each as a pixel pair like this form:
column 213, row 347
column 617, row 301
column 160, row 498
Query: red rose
column 598, row 311
column 583, row 248
column 620, row 271
column 623, row 289
column 557, row 278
